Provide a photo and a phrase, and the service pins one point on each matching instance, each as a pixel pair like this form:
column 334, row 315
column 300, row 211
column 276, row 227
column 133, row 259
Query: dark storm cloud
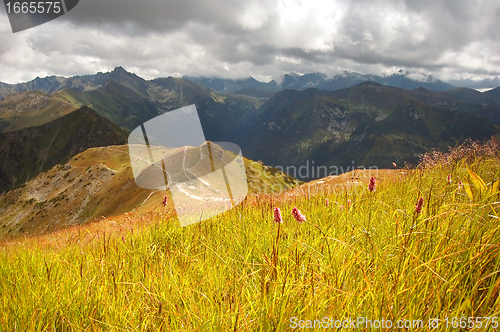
column 449, row 39
column 145, row 16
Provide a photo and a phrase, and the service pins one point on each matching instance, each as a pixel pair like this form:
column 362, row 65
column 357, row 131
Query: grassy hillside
column 30, row 151
column 99, row 182
column 362, row 254
column 116, row 102
column 31, row 108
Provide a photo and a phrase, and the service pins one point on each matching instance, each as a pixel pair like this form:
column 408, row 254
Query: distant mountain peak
column 119, row 69
column 121, row 72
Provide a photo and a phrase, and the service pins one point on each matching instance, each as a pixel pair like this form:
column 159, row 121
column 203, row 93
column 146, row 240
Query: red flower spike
column 298, row 216
column 277, row 216
column 372, row 184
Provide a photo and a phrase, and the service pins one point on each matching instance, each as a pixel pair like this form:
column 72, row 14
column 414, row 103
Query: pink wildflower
column 297, row 215
column 394, row 164
column 372, row 184
column 277, row 216
column 448, row 179
column 327, row 202
column 418, row 207
column 165, row 200
column 123, row 239
column 349, row 202
column 341, row 208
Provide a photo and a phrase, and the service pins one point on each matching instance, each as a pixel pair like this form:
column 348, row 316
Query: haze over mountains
column 318, row 81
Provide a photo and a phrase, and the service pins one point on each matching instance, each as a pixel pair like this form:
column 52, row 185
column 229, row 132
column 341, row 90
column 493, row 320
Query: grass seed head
column 420, row 204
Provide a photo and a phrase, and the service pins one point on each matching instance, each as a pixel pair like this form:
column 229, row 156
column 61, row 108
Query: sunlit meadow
column 424, row 243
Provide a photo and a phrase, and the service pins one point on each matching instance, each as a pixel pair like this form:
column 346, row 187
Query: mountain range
column 294, row 81
column 318, row 81
column 365, row 124
column 128, row 100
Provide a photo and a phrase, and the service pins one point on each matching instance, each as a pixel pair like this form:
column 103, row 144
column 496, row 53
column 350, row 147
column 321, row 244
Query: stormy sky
column 455, row 40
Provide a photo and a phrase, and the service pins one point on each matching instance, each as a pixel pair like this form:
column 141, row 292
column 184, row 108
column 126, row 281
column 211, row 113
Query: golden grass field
column 364, row 254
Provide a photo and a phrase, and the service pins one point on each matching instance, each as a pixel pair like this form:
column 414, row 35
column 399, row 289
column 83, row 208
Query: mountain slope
column 230, row 86
column 369, row 124
column 462, row 100
column 118, row 103
column 79, row 191
column 470, row 96
column 494, row 94
column 47, row 85
column 128, row 108
column 31, row 108
column 27, row 152
column 128, row 100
